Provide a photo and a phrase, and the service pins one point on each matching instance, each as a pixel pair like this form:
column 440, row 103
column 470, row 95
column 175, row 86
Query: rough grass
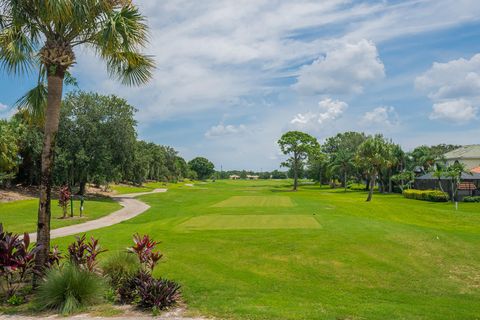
column 21, row 216
column 255, row 201
column 224, row 222
column 393, row 258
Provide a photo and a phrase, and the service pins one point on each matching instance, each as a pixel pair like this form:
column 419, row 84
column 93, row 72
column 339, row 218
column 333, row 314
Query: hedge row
column 426, row 195
column 472, row 199
column 359, row 187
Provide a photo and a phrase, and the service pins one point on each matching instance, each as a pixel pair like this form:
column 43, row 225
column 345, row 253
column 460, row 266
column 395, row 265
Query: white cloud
column 382, row 116
column 330, row 110
column 460, row 111
column 222, row 130
column 346, row 69
column 6, row 112
column 454, row 87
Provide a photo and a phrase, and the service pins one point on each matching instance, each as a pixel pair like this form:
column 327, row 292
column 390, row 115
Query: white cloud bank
column 222, row 130
column 381, row 116
column 454, row 88
column 345, row 69
column 329, row 110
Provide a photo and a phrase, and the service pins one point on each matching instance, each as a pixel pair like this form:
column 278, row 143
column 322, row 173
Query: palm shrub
column 70, row 289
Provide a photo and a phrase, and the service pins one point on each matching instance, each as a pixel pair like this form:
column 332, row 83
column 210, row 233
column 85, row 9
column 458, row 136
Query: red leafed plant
column 84, row 254
column 64, row 199
column 144, row 249
column 16, row 260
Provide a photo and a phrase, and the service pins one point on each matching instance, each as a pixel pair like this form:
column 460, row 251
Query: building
column 470, row 180
column 467, row 155
column 234, row 177
column 250, row 177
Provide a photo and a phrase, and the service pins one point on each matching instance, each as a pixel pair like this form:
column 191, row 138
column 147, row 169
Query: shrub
column 359, row 187
column 84, row 254
column 70, row 289
column 472, row 199
column 156, row 294
column 16, row 261
column 144, row 249
column 120, row 270
column 426, row 195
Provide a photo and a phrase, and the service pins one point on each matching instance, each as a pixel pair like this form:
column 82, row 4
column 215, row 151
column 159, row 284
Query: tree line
column 354, row 157
column 96, row 144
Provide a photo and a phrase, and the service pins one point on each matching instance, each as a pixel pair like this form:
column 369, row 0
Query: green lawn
column 21, row 216
column 392, row 258
column 126, row 189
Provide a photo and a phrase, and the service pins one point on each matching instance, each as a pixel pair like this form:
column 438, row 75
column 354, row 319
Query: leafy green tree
column 8, row 151
column 46, row 33
column 202, row 167
column 96, row 140
column 374, row 154
column 299, row 146
column 343, row 163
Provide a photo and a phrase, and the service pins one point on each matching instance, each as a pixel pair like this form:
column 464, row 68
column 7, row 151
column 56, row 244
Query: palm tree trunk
column 52, row 118
column 345, row 181
column 372, row 186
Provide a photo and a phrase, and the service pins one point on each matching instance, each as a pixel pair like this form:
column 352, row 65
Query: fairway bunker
column 255, row 201
column 231, row 222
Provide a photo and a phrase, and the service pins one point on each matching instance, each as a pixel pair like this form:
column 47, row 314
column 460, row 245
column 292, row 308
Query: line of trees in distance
column 354, row 157
column 96, row 144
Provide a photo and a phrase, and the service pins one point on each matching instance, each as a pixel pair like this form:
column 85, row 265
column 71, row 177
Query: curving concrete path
column 131, row 208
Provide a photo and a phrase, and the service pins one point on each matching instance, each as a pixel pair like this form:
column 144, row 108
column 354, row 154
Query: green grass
column 255, row 201
column 219, row 222
column 392, row 258
column 147, row 187
column 21, row 216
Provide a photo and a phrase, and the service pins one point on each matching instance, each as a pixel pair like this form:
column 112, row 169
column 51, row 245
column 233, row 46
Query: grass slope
column 392, row 258
column 21, row 216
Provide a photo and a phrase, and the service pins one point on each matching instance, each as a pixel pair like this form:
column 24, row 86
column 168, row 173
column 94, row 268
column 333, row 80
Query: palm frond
column 16, row 50
column 130, row 68
column 34, row 103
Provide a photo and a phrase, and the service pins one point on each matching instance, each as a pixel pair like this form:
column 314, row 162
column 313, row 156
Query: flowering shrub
column 16, row 261
column 84, row 254
column 144, row 249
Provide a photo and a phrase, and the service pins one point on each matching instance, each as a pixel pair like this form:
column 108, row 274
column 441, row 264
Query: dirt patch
column 18, row 193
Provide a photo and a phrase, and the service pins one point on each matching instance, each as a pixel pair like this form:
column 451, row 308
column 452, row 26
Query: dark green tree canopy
column 202, row 167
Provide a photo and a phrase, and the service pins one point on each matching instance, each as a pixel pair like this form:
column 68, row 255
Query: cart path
column 131, row 208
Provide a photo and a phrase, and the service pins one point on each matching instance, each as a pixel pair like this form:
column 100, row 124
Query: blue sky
column 232, row 76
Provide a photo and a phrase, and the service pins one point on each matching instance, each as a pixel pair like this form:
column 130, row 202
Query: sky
column 232, row 76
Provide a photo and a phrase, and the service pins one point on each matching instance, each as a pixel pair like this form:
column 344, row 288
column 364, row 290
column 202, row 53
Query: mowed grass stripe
column 255, row 201
column 225, row 222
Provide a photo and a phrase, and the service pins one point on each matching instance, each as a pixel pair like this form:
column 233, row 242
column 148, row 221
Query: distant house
column 466, row 155
column 470, row 180
column 250, row 177
column 234, row 177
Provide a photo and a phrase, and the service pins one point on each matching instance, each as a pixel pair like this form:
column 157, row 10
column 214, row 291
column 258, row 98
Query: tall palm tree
column 43, row 36
column 342, row 163
column 375, row 155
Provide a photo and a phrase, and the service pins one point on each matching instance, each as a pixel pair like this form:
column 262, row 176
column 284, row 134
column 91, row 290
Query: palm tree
column 342, row 163
column 375, row 155
column 42, row 36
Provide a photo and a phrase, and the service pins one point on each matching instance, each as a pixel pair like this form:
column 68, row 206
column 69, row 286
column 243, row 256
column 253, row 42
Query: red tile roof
column 475, row 170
